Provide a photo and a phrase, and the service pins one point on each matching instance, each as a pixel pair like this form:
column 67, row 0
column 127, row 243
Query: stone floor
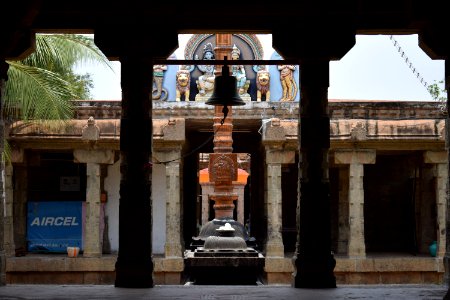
column 186, row 292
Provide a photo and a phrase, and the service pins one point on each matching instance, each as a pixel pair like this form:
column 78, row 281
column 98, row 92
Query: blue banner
column 53, row 226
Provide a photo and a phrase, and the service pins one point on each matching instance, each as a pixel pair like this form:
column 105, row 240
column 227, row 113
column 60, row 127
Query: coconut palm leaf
column 35, row 93
column 61, row 52
column 40, row 86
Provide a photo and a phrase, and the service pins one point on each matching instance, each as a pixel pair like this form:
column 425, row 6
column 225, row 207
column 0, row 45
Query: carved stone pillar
column 356, row 159
column 280, row 149
column 439, row 158
column 313, row 260
column 93, row 223
column 274, row 160
column 9, row 213
column 343, row 211
column 239, row 190
column 167, row 151
column 447, row 146
column 3, row 78
column 20, row 198
column 92, row 238
column 173, row 244
column 207, row 189
column 171, row 159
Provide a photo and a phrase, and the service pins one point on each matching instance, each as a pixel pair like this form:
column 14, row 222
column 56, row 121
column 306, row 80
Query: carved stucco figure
column 183, row 84
column 288, row 82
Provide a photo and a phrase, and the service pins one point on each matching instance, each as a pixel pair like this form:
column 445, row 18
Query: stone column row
column 353, row 231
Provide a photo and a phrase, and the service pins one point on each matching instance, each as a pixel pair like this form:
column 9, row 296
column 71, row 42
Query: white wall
column 112, row 185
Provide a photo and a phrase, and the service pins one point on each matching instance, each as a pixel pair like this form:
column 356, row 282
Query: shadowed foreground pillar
column 3, row 77
column 314, row 262
column 134, row 265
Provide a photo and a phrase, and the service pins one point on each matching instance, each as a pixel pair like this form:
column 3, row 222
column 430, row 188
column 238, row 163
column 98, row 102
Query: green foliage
column 436, row 92
column 42, row 86
column 81, row 85
column 35, row 93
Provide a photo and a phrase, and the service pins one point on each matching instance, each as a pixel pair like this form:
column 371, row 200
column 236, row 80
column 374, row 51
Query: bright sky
column 372, row 70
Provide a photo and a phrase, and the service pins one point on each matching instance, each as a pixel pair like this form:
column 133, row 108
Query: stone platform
column 60, row 269
column 50, row 292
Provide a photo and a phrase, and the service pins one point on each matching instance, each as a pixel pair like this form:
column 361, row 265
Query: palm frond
column 60, row 52
column 37, row 93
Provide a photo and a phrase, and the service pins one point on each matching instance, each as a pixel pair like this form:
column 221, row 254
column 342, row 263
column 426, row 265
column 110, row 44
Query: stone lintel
column 361, row 156
column 94, row 156
column 435, row 157
column 280, row 157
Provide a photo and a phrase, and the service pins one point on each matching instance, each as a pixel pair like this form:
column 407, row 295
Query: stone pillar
column 171, row 160
column 239, row 190
column 3, row 77
column 93, row 158
column 447, row 147
column 343, row 211
column 356, row 159
column 8, row 214
column 173, row 234
column 92, row 238
column 439, row 158
column 167, row 151
column 274, row 159
column 127, row 42
column 134, row 266
column 314, row 261
column 207, row 189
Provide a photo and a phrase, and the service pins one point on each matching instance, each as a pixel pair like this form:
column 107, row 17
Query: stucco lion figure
column 262, row 85
column 183, row 84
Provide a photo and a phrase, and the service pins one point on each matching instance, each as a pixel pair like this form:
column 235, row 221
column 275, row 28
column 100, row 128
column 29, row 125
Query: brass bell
column 225, row 90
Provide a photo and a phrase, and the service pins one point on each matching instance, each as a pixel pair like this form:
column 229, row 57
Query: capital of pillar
column 94, row 156
column 172, row 154
column 362, row 156
column 435, row 157
column 275, row 156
